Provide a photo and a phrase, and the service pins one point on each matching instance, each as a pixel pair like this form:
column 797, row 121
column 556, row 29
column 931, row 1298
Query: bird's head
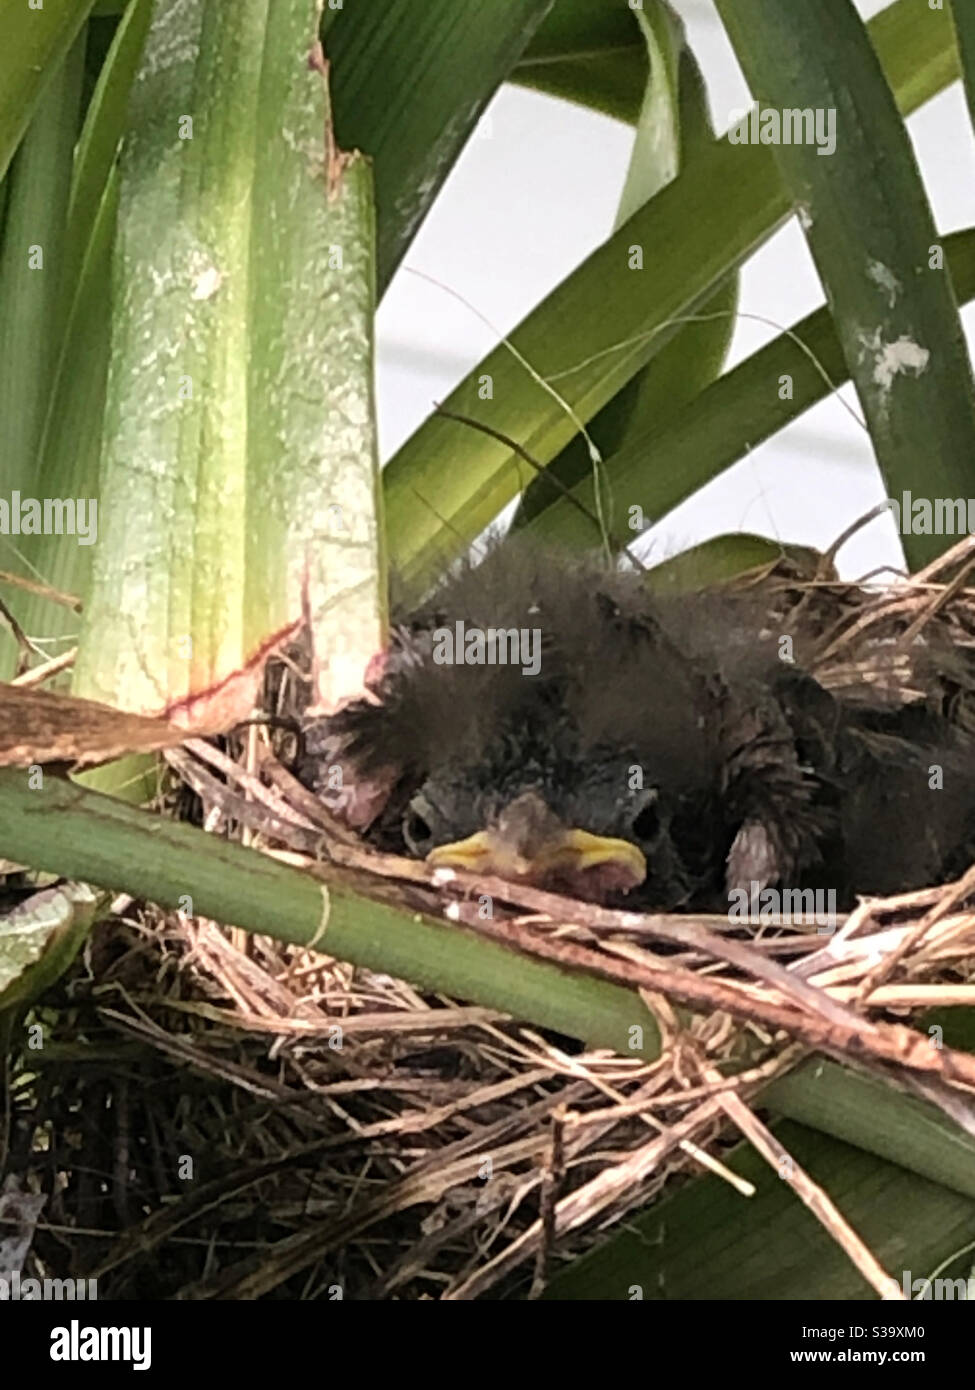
column 544, row 807
column 514, row 831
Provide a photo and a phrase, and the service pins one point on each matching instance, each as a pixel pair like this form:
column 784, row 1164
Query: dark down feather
column 673, row 723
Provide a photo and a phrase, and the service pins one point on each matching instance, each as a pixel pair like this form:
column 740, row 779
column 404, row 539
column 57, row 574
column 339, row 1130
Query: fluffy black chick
column 670, row 749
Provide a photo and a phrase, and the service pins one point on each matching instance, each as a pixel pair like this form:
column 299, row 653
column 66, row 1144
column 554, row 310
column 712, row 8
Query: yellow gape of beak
column 566, row 853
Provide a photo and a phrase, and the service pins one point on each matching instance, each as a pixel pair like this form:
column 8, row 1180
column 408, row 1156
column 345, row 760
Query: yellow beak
column 569, row 852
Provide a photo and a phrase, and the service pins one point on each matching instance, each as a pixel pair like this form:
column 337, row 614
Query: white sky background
column 514, row 219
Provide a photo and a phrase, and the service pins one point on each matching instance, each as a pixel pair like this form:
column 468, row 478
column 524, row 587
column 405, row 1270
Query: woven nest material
column 443, row 1150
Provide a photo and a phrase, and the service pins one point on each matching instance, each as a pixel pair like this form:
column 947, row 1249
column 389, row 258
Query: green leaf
column 588, row 51
column 656, row 156
column 871, row 233
column 409, row 83
column 674, row 127
column 916, row 47
column 243, row 437
column 35, row 44
column 69, row 451
column 659, row 468
column 721, row 558
column 31, row 270
column 70, row 448
column 32, row 297
column 601, row 326
column 863, row 1111
column 41, row 937
column 102, row 133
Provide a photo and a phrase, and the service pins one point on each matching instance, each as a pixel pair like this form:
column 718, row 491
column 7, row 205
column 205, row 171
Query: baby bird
column 546, row 720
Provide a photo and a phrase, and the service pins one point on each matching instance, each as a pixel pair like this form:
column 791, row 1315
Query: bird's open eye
column 645, row 824
column 416, row 828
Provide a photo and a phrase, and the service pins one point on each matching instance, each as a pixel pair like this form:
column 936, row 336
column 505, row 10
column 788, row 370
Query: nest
column 453, row 1152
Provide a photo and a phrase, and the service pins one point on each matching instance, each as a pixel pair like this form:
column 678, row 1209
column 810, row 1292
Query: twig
column 885, row 968
column 552, row 1175
column 808, row 1191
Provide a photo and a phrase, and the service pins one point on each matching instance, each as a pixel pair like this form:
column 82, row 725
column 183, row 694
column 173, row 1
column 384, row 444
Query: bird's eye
column 416, row 830
column 645, row 825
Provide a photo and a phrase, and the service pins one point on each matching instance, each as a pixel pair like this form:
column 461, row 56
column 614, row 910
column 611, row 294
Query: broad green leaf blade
column 70, row 449
column 915, row 44
column 860, row 1110
column 590, row 336
column 656, row 155
column 658, row 468
column 585, row 52
column 102, row 132
column 243, row 437
column 588, row 51
column 673, row 129
column 313, row 512
column 32, row 294
column 35, row 45
column 409, row 83
column 681, row 369
column 726, row 557
column 41, row 937
column 69, row 452
column 31, row 270
column 122, row 847
column 871, row 232
column 707, row 1241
